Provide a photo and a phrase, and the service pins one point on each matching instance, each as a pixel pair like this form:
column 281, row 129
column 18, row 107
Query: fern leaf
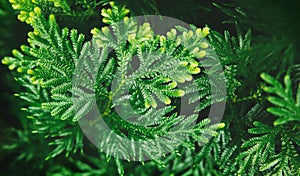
column 286, row 107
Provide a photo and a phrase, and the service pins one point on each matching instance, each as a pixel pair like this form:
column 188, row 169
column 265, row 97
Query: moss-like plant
column 136, row 81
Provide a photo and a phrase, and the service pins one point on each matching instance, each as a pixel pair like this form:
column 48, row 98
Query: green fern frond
column 65, row 137
column 258, row 148
column 263, row 155
column 287, row 108
column 67, row 12
column 66, row 80
column 217, row 154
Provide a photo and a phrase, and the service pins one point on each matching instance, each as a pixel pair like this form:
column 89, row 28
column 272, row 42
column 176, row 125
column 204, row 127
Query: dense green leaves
column 261, row 153
column 137, row 81
column 66, row 79
column 273, row 150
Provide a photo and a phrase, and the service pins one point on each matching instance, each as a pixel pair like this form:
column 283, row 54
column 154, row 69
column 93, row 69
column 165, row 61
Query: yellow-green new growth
column 114, row 14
